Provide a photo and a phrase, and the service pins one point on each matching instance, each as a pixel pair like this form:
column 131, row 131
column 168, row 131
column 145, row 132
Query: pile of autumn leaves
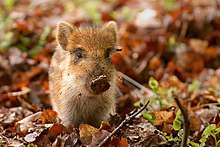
column 184, row 64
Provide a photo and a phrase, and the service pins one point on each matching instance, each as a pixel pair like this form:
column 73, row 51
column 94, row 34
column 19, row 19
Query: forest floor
column 170, row 49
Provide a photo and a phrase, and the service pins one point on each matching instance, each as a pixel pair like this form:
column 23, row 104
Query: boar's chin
column 100, row 84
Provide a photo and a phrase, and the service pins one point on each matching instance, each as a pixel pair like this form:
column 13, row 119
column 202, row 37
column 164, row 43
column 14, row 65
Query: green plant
column 177, row 121
column 193, row 88
column 210, row 131
column 8, row 4
column 32, row 145
column 38, row 47
column 91, row 9
column 146, row 114
column 176, row 139
column 163, row 95
column 5, row 36
column 125, row 14
column 169, row 4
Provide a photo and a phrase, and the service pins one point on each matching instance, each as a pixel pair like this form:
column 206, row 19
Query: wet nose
column 100, row 83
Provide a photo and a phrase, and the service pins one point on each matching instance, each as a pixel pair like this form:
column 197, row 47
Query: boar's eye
column 108, row 52
column 79, row 54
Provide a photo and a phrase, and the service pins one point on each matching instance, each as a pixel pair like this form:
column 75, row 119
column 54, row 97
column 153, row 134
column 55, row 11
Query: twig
column 135, row 83
column 204, row 105
column 3, row 137
column 184, row 29
column 126, row 120
column 186, row 122
column 24, row 91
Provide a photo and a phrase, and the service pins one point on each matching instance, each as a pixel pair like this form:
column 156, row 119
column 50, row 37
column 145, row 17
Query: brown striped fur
column 71, row 96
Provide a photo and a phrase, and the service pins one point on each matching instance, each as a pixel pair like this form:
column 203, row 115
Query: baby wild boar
column 82, row 78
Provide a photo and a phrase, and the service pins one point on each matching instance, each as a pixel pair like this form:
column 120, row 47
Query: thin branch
column 126, row 120
column 204, row 105
column 184, row 29
column 24, row 91
column 135, row 83
column 186, row 122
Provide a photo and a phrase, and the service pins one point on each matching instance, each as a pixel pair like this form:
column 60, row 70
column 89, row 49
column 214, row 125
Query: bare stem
column 126, row 120
column 186, row 122
column 135, row 83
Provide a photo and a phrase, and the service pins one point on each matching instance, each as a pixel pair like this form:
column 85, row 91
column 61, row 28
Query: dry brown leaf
column 27, row 122
column 98, row 136
column 123, row 142
column 168, row 128
column 105, row 126
column 85, row 132
column 155, row 63
column 164, row 117
column 49, row 116
column 55, row 130
column 195, row 122
column 205, row 115
column 143, row 133
column 31, row 137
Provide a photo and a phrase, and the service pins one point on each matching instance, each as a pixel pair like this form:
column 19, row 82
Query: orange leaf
column 123, row 142
column 164, row 117
column 85, row 132
column 48, row 116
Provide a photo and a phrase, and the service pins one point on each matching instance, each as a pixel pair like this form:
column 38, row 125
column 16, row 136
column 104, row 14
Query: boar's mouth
column 100, row 84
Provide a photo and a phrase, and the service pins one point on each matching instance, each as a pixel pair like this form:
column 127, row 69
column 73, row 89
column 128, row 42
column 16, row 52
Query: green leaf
column 169, row 4
column 8, row 4
column 217, row 130
column 41, row 41
column 191, row 143
column 7, row 40
column 194, row 86
column 177, row 121
column 203, row 140
column 176, row 125
column 137, row 104
column 153, row 83
column 149, row 116
column 172, row 41
column 208, row 130
column 31, row 145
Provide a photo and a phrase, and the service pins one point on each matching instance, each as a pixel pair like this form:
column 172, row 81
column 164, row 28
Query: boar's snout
column 100, row 84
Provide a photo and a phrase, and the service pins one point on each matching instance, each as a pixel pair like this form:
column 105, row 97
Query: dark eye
column 79, row 54
column 108, row 52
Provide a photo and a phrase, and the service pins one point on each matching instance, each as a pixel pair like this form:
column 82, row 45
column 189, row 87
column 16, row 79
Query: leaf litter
column 176, row 43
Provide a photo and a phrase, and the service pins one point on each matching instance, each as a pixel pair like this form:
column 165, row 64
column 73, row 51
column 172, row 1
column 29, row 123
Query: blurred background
column 169, row 46
column 170, row 40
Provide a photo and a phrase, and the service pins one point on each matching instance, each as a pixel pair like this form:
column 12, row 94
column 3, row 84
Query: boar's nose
column 100, row 84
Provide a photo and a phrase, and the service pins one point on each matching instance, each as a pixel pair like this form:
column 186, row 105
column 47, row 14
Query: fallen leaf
column 195, row 122
column 143, row 133
column 55, row 130
column 123, row 142
column 31, row 137
column 164, row 117
column 49, row 116
column 85, row 132
column 27, row 122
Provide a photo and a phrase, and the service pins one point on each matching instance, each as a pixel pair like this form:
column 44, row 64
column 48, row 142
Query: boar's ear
column 111, row 27
column 64, row 29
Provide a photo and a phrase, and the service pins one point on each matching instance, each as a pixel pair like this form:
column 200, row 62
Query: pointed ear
column 64, row 30
column 111, row 27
